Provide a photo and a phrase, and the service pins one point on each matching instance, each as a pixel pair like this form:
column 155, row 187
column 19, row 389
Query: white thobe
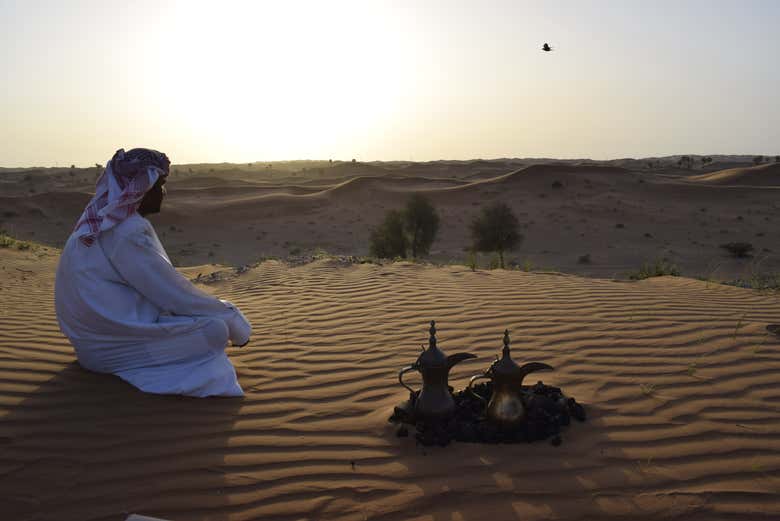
column 128, row 312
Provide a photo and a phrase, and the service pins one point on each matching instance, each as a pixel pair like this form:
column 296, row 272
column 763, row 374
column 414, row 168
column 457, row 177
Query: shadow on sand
column 474, row 482
column 87, row 447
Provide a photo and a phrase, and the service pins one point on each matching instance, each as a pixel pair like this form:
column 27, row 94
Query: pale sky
column 386, row 80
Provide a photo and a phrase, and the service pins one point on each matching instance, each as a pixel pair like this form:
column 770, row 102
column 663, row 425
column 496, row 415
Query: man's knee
column 217, row 333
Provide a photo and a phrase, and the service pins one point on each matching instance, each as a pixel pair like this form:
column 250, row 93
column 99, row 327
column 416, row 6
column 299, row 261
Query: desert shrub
column 388, row 240
column 659, row 268
column 496, row 229
column 584, row 259
column 738, row 249
column 6, row 241
column 685, row 162
column 472, row 261
column 758, row 160
column 761, row 282
column 414, row 228
column 557, row 184
column 421, row 223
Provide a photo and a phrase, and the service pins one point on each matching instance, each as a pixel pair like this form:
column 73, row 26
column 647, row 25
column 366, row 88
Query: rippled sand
column 679, row 377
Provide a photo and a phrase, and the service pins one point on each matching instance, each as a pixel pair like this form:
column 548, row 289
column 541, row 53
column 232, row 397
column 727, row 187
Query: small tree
column 685, row 162
column 738, row 249
column 421, row 222
column 496, row 229
column 388, row 239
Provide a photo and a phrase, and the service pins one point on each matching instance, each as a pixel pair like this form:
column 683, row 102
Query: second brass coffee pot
column 506, row 405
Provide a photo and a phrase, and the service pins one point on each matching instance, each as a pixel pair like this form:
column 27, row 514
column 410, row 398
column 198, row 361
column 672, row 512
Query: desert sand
column 679, row 376
column 620, row 213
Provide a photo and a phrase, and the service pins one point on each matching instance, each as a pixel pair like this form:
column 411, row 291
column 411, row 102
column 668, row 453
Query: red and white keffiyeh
column 120, row 189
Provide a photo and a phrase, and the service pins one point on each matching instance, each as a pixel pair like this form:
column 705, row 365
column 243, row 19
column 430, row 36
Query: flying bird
column 546, row 47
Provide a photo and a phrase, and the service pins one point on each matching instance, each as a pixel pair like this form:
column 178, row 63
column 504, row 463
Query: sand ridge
column 760, row 175
column 619, row 213
column 679, row 378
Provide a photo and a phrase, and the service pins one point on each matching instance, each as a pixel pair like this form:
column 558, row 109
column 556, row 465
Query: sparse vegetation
column 685, row 162
column 6, row 241
column 648, row 389
column 758, row 160
column 472, row 260
column 388, row 240
column 738, row 250
column 584, row 259
column 557, row 184
column 421, row 223
column 496, row 229
column 659, row 268
column 758, row 281
column 413, row 229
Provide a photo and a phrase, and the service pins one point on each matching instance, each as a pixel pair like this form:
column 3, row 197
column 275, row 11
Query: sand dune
column 679, row 378
column 622, row 217
column 762, row 175
column 360, row 185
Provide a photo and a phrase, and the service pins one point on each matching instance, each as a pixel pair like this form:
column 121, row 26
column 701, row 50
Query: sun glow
column 262, row 80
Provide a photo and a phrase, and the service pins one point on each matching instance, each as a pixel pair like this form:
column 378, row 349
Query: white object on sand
column 128, row 312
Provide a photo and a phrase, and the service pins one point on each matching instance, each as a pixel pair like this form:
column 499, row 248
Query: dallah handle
column 471, row 382
column 401, row 376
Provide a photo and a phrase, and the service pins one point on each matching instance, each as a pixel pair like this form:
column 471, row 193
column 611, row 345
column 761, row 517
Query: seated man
column 125, row 308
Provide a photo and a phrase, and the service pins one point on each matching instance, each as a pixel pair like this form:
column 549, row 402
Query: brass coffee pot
column 506, row 404
column 434, row 401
